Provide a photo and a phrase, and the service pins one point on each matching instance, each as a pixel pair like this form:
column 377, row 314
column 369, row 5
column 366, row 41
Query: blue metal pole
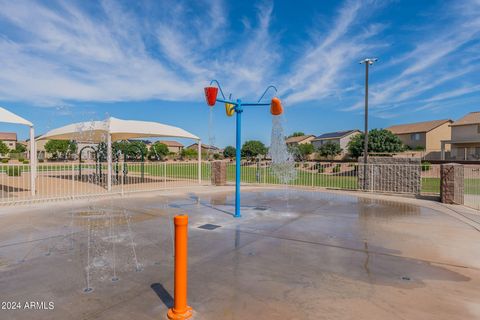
column 238, row 110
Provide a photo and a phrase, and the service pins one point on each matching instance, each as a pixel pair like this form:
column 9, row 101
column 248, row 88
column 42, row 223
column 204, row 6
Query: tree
column 158, row 150
column 60, row 148
column 4, row 148
column 133, row 149
column 188, row 153
column 19, row 148
column 379, row 140
column 329, row 150
column 301, row 151
column 296, row 134
column 253, row 148
column 229, row 152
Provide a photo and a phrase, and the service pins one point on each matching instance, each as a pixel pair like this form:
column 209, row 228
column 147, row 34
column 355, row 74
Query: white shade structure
column 10, row 117
column 114, row 129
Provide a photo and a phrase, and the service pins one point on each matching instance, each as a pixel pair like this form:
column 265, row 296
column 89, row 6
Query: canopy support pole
column 199, row 143
column 33, row 161
column 109, row 162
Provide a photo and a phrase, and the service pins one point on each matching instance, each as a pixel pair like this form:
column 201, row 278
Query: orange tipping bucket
column 211, row 95
column 229, row 109
column 276, row 107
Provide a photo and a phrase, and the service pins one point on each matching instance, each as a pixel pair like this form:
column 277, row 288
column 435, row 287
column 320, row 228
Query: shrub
column 305, row 165
column 426, row 166
column 14, row 171
column 26, row 161
column 41, row 160
column 5, row 160
column 21, row 159
column 321, row 169
column 336, row 169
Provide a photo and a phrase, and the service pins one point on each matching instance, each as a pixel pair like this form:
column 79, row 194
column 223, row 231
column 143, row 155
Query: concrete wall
column 387, row 174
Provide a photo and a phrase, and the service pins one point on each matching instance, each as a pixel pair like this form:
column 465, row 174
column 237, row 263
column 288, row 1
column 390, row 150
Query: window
column 415, row 136
column 478, row 128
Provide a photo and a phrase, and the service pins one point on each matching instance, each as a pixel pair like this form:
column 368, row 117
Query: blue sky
column 67, row 61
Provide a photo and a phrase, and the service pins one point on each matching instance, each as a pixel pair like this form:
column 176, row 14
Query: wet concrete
column 293, row 255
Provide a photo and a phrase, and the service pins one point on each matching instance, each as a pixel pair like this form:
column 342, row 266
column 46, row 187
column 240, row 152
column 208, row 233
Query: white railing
column 70, row 180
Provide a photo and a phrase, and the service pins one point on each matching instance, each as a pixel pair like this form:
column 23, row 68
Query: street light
column 367, row 62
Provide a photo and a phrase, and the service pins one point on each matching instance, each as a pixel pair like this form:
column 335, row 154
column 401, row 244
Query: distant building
column 9, row 138
column 465, row 138
column 205, row 148
column 173, row 146
column 295, row 141
column 426, row 135
column 340, row 137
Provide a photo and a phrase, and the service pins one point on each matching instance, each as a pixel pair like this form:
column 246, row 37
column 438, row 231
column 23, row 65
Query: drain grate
column 209, row 226
column 260, row 208
column 405, row 278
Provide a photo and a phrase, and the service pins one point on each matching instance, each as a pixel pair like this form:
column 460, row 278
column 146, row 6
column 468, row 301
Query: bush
column 41, row 160
column 336, row 169
column 426, row 166
column 5, row 160
column 14, row 171
column 26, row 161
column 305, row 165
column 321, row 169
column 21, row 159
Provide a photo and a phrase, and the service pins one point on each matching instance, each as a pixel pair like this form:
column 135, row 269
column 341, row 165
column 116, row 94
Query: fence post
column 452, row 183
column 165, row 175
column 180, row 308
column 313, row 172
column 73, row 181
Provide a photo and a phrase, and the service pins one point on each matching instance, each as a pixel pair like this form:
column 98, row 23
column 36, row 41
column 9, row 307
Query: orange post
column 180, row 308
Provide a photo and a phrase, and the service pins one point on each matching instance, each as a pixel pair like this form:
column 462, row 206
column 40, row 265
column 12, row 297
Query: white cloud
column 53, row 53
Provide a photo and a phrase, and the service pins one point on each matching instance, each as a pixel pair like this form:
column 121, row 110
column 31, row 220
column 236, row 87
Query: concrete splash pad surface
column 293, row 255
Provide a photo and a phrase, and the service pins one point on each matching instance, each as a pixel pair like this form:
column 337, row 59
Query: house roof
column 298, row 139
column 470, row 118
column 204, row 146
column 8, row 136
column 336, row 134
column 424, row 126
column 171, row 143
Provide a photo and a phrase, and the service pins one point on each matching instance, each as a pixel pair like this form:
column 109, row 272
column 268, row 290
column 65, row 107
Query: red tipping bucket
column 276, row 107
column 211, row 95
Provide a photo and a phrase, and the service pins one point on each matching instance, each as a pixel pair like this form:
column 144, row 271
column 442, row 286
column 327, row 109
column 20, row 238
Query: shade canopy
column 97, row 131
column 10, row 117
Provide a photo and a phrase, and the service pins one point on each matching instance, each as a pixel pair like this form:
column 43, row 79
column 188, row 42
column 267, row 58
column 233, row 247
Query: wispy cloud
column 438, row 59
column 56, row 53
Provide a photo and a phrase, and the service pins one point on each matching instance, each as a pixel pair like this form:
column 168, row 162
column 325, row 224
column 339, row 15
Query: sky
column 71, row 61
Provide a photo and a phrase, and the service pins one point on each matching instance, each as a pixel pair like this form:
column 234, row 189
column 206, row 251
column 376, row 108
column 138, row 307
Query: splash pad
column 237, row 107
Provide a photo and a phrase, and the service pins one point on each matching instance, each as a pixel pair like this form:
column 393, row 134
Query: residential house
column 465, row 139
column 339, row 137
column 173, row 146
column 205, row 148
column 426, row 135
column 9, row 138
column 295, row 141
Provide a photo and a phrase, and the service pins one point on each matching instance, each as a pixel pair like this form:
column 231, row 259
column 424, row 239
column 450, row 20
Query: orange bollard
column 180, row 308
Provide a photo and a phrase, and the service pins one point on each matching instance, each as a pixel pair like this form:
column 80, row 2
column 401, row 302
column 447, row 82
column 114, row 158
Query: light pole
column 367, row 62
